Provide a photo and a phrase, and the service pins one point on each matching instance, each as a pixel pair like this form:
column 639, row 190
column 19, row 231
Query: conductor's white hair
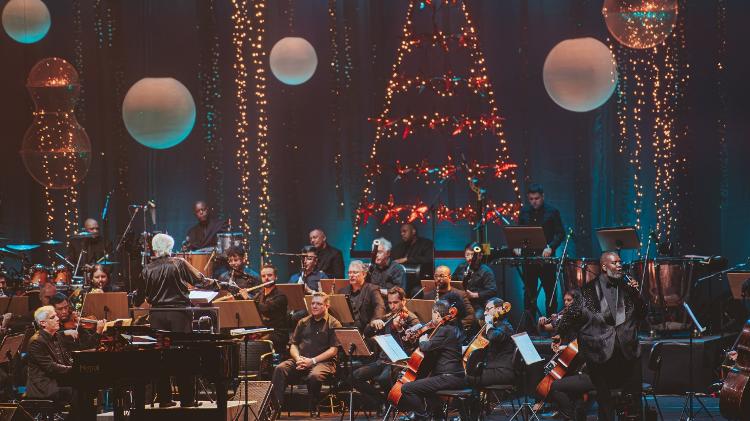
column 162, row 245
column 387, row 246
column 42, row 313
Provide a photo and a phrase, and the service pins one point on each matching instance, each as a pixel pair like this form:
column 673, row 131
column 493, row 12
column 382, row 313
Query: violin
column 75, row 322
column 411, row 372
column 734, row 400
column 480, row 341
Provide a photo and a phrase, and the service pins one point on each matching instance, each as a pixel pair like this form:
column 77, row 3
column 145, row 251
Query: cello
column 734, row 400
column 411, row 372
column 480, row 341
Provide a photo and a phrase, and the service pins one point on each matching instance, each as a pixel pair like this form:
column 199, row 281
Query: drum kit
column 206, row 259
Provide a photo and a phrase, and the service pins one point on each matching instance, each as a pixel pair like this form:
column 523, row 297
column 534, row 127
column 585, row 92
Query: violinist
column 394, row 324
column 498, row 362
column 478, row 279
column 443, row 347
column 74, row 333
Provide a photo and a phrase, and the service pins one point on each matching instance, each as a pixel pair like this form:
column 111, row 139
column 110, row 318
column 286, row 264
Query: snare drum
column 62, row 275
column 202, row 261
column 668, row 279
column 38, row 275
column 579, row 272
column 224, row 240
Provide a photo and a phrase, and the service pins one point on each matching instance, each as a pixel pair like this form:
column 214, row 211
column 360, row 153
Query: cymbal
column 50, row 242
column 107, row 263
column 82, row 235
column 22, row 247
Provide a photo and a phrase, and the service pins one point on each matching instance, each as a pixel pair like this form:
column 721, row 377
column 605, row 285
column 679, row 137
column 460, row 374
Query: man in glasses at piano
column 48, row 361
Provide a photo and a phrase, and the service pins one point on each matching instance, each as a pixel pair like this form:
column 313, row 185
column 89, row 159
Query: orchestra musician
column 272, row 306
column 498, row 363
column 365, row 299
column 71, row 335
column 606, row 323
column 330, row 259
column 378, row 370
column 99, row 279
column 165, row 289
column 313, row 348
column 444, row 348
column 91, row 243
column 539, row 213
column 309, row 276
column 203, row 234
column 414, row 250
column 239, row 275
column 478, row 279
column 48, row 362
column 455, row 297
column 385, row 272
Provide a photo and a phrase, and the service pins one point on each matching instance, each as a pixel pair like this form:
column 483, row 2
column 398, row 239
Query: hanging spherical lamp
column 293, row 60
column 640, row 23
column 26, row 21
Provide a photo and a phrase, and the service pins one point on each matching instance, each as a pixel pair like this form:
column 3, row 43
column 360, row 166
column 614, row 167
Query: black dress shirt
column 458, row 299
column 417, row 253
column 272, row 309
column 47, row 364
column 313, row 337
column 546, row 217
column 165, row 281
column 245, row 279
column 481, row 281
column 501, row 347
column 366, row 303
column 331, row 261
column 392, row 275
column 445, row 349
column 411, row 320
column 202, row 235
column 95, row 248
column 312, row 280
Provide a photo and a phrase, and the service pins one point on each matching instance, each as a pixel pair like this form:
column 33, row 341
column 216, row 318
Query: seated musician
column 414, row 250
column 330, row 259
column 99, row 280
column 48, row 362
column 364, row 298
column 313, row 349
column 309, row 276
column 46, row 292
column 498, row 363
column 478, row 279
column 455, row 297
column 386, row 273
column 378, row 370
column 239, row 275
column 165, row 288
column 443, row 347
column 71, row 335
column 567, row 393
column 88, row 245
column 203, row 234
column 272, row 306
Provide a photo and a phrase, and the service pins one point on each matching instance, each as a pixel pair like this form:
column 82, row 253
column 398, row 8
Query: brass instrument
column 243, row 292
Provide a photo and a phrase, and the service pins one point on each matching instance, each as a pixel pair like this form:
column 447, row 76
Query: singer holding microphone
column 606, row 324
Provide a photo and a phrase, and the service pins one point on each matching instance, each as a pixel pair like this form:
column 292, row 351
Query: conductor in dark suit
column 48, row 362
column 607, row 329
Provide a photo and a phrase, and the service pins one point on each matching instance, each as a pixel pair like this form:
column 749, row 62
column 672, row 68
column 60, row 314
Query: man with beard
column 330, row 259
column 309, row 276
column 414, row 250
column 455, row 297
column 607, row 327
column 272, row 305
column 203, row 234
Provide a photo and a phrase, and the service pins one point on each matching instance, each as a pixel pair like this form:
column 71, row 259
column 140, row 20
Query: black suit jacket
column 47, row 363
column 596, row 337
column 366, row 306
column 419, row 253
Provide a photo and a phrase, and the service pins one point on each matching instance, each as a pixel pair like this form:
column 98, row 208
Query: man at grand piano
column 414, row 250
column 379, row 370
column 313, row 349
column 48, row 362
column 203, row 234
column 165, row 289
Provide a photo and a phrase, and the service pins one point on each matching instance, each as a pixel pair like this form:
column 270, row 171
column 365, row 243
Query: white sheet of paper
column 200, row 297
column 526, row 348
column 391, row 348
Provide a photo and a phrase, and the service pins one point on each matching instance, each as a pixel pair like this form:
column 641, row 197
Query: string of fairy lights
column 477, row 81
column 335, row 91
column 261, row 109
column 721, row 122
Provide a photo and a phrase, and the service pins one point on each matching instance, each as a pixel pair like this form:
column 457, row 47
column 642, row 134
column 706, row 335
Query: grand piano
column 128, row 361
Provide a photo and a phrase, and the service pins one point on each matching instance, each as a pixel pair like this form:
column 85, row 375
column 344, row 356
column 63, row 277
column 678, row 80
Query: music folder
column 352, row 342
column 391, row 348
column 526, row 348
column 422, row 308
column 17, row 304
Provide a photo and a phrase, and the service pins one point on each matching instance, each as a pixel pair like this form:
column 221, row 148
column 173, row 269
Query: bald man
column 203, row 234
column 90, row 242
column 330, row 259
column 457, row 298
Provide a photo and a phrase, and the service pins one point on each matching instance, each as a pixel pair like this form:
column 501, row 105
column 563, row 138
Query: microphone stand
column 120, row 243
column 559, row 267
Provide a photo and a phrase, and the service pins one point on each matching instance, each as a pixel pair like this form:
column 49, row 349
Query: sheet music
column 391, row 348
column 526, row 348
column 197, row 296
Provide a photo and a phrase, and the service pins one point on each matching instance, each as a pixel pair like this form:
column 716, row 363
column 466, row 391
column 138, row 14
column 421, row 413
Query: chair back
column 258, row 357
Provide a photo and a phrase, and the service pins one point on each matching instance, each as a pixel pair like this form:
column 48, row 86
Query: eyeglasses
column 354, row 272
column 441, row 276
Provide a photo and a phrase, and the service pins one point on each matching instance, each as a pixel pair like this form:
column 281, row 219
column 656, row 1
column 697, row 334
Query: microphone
column 152, row 207
column 106, row 205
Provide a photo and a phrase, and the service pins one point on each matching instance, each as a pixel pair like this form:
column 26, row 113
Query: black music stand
column 687, row 408
column 332, row 286
column 339, row 308
column 295, row 295
column 526, row 237
column 237, row 314
column 735, row 281
column 618, row 238
column 16, row 304
column 106, row 305
column 353, row 345
column 530, row 356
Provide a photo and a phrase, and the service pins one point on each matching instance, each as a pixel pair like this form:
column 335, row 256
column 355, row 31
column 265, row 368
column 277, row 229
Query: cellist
column 443, row 348
column 498, row 367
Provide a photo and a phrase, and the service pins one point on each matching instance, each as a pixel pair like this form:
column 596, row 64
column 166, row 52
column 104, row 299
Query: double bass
column 734, row 400
column 412, row 370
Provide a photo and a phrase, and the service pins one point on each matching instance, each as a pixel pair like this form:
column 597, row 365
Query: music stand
column 422, row 308
column 526, row 237
column 688, row 405
column 236, row 314
column 10, row 346
column 429, row 285
column 735, row 280
column 17, row 304
column 618, row 238
column 339, row 308
column 331, row 286
column 106, row 305
column 295, row 295
column 354, row 346
column 530, row 356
